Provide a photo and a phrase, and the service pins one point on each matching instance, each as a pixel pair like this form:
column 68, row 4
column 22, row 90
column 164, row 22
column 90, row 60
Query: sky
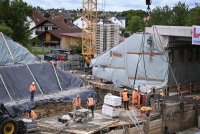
column 110, row 5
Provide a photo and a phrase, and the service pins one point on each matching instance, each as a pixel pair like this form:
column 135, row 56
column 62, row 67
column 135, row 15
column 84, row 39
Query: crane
column 89, row 20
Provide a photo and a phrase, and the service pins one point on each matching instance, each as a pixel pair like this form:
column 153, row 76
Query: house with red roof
column 49, row 32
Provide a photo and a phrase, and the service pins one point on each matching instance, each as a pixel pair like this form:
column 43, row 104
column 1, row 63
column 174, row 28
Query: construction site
column 147, row 83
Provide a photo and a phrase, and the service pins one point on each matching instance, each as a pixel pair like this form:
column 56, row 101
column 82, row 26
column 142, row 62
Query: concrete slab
column 190, row 131
column 99, row 122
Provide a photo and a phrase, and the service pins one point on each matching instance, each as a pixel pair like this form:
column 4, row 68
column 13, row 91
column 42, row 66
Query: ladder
column 135, row 120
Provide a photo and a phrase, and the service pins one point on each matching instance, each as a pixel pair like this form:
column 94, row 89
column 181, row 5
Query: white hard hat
column 33, row 83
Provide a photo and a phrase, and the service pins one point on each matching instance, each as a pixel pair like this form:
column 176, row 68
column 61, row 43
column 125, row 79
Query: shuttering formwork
column 107, row 36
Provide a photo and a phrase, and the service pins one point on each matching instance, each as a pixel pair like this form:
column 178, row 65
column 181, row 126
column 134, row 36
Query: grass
column 40, row 50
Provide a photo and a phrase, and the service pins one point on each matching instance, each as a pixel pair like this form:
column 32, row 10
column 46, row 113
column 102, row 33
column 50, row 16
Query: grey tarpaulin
column 19, row 68
column 64, row 96
column 119, row 63
column 17, row 79
column 12, row 52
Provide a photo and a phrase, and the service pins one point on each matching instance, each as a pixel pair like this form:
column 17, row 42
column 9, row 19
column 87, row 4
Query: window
column 45, row 28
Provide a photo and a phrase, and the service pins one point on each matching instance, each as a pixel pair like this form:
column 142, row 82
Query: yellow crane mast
column 89, row 20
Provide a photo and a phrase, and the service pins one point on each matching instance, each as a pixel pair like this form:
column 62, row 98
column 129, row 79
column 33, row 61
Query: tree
column 6, row 30
column 14, row 14
column 136, row 24
column 160, row 16
column 128, row 14
column 4, row 10
column 193, row 16
column 47, row 14
column 179, row 14
column 76, row 48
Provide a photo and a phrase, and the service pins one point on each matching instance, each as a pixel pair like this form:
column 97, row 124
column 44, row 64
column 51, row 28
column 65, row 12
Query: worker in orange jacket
column 91, row 104
column 32, row 90
column 125, row 98
column 77, row 102
column 135, row 97
column 32, row 114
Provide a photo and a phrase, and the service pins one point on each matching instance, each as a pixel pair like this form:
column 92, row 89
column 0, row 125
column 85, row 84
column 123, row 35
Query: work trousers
column 32, row 94
column 92, row 109
column 126, row 105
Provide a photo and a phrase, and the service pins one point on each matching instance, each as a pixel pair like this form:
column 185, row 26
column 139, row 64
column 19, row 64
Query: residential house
column 121, row 21
column 79, row 22
column 49, row 31
column 70, row 39
column 33, row 20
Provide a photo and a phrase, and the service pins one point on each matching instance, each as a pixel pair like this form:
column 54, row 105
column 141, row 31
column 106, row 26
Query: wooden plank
column 102, row 127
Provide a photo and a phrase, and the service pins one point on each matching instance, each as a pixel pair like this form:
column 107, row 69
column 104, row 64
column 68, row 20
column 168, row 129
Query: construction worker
column 148, row 98
column 32, row 90
column 53, row 62
column 77, row 103
column 32, row 115
column 91, row 104
column 135, row 97
column 125, row 98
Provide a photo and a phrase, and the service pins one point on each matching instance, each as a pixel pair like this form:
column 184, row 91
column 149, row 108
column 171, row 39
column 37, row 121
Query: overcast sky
column 110, row 5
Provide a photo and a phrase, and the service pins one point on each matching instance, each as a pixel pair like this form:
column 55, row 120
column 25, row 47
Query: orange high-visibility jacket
column 135, row 98
column 77, row 102
column 32, row 115
column 90, row 102
column 32, row 88
column 125, row 96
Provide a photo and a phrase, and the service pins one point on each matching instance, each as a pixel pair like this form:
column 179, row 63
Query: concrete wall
column 163, row 33
column 185, row 63
column 176, row 121
column 184, row 58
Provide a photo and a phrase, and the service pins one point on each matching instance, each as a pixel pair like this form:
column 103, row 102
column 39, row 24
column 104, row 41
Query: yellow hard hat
column 125, row 89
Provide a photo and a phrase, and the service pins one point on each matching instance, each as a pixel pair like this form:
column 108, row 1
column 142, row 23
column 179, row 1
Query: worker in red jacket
column 91, row 104
column 32, row 90
column 125, row 98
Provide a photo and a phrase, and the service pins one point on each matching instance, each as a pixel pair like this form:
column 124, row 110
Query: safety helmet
column 125, row 89
column 33, row 83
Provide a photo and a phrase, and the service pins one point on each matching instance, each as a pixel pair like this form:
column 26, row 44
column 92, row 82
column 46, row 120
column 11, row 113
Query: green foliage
column 179, row 14
column 77, row 48
column 40, row 50
column 136, row 24
column 128, row 14
column 14, row 14
column 4, row 10
column 47, row 14
column 6, row 30
column 194, row 16
column 160, row 16
column 134, row 21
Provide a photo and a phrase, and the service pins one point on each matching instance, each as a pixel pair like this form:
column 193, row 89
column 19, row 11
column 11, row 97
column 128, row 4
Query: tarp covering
column 19, row 68
column 119, row 64
column 18, row 78
column 17, row 107
column 13, row 53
